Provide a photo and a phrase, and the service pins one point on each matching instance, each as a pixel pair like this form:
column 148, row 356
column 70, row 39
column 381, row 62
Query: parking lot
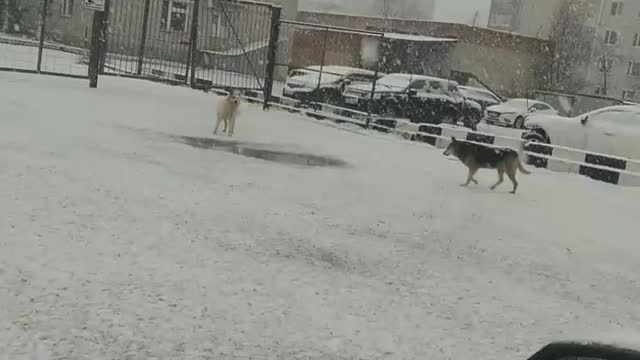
column 126, row 236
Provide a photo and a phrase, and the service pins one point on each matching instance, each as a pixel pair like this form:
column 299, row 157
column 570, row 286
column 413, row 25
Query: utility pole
column 605, row 71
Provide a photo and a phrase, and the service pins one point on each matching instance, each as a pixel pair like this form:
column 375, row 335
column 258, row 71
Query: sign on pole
column 97, row 5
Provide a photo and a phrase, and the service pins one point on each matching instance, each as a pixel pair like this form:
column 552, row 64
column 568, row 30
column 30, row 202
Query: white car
column 614, row 130
column 512, row 113
column 308, row 84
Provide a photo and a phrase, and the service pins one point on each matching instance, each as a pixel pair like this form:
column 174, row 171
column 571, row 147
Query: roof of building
column 416, row 38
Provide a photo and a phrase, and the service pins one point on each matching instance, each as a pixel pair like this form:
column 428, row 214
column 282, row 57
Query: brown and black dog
column 476, row 157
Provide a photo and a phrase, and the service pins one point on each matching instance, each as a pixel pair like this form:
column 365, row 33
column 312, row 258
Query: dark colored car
column 482, row 96
column 420, row 98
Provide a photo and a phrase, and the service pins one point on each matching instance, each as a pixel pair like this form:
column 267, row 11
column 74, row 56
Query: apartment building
column 618, row 31
column 614, row 67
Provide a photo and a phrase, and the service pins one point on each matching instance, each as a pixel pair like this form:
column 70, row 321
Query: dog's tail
column 522, row 169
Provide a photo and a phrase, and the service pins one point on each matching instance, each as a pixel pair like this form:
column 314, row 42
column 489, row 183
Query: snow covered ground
column 119, row 240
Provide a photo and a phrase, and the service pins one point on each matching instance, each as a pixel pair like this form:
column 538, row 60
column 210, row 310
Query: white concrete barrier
column 617, row 170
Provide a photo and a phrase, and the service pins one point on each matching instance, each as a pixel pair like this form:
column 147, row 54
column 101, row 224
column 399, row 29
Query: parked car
column 482, row 96
column 419, row 98
column 614, row 130
column 512, row 112
column 307, row 84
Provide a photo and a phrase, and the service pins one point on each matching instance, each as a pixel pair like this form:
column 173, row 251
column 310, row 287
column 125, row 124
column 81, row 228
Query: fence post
column 43, row 27
column 104, row 30
column 193, row 44
column 373, row 85
column 271, row 55
column 98, row 35
column 324, row 55
column 143, row 40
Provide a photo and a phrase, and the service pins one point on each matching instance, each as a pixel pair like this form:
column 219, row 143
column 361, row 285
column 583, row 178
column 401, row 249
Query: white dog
column 227, row 112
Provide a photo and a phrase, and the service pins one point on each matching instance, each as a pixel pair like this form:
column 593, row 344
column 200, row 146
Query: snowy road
column 121, row 240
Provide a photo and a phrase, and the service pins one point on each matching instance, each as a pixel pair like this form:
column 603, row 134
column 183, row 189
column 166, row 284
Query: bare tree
column 4, row 15
column 571, row 43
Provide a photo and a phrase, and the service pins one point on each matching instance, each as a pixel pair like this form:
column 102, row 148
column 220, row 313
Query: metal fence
column 218, row 43
column 316, row 50
column 205, row 43
column 29, row 40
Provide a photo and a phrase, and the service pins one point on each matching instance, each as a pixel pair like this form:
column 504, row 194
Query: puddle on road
column 279, row 156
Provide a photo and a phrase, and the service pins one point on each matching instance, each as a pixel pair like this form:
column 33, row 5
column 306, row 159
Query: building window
column 636, row 40
column 174, row 15
column 67, row 7
column 605, row 65
column 628, row 94
column 502, row 12
column 616, row 8
column 633, row 69
column 611, row 37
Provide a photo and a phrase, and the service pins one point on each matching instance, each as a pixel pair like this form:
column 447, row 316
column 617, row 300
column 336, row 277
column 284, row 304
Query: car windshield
column 395, row 81
column 319, row 179
column 311, row 76
column 519, row 103
column 480, row 95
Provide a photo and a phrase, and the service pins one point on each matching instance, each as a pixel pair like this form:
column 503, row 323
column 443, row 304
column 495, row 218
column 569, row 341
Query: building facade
column 618, row 47
column 614, row 67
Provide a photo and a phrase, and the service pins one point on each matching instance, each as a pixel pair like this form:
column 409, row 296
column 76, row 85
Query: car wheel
column 472, row 121
column 536, row 137
column 519, row 123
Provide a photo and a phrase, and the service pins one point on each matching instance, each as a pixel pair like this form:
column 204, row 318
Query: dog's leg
column 472, row 172
column 226, row 124
column 500, row 179
column 215, row 131
column 512, row 176
column 232, row 125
